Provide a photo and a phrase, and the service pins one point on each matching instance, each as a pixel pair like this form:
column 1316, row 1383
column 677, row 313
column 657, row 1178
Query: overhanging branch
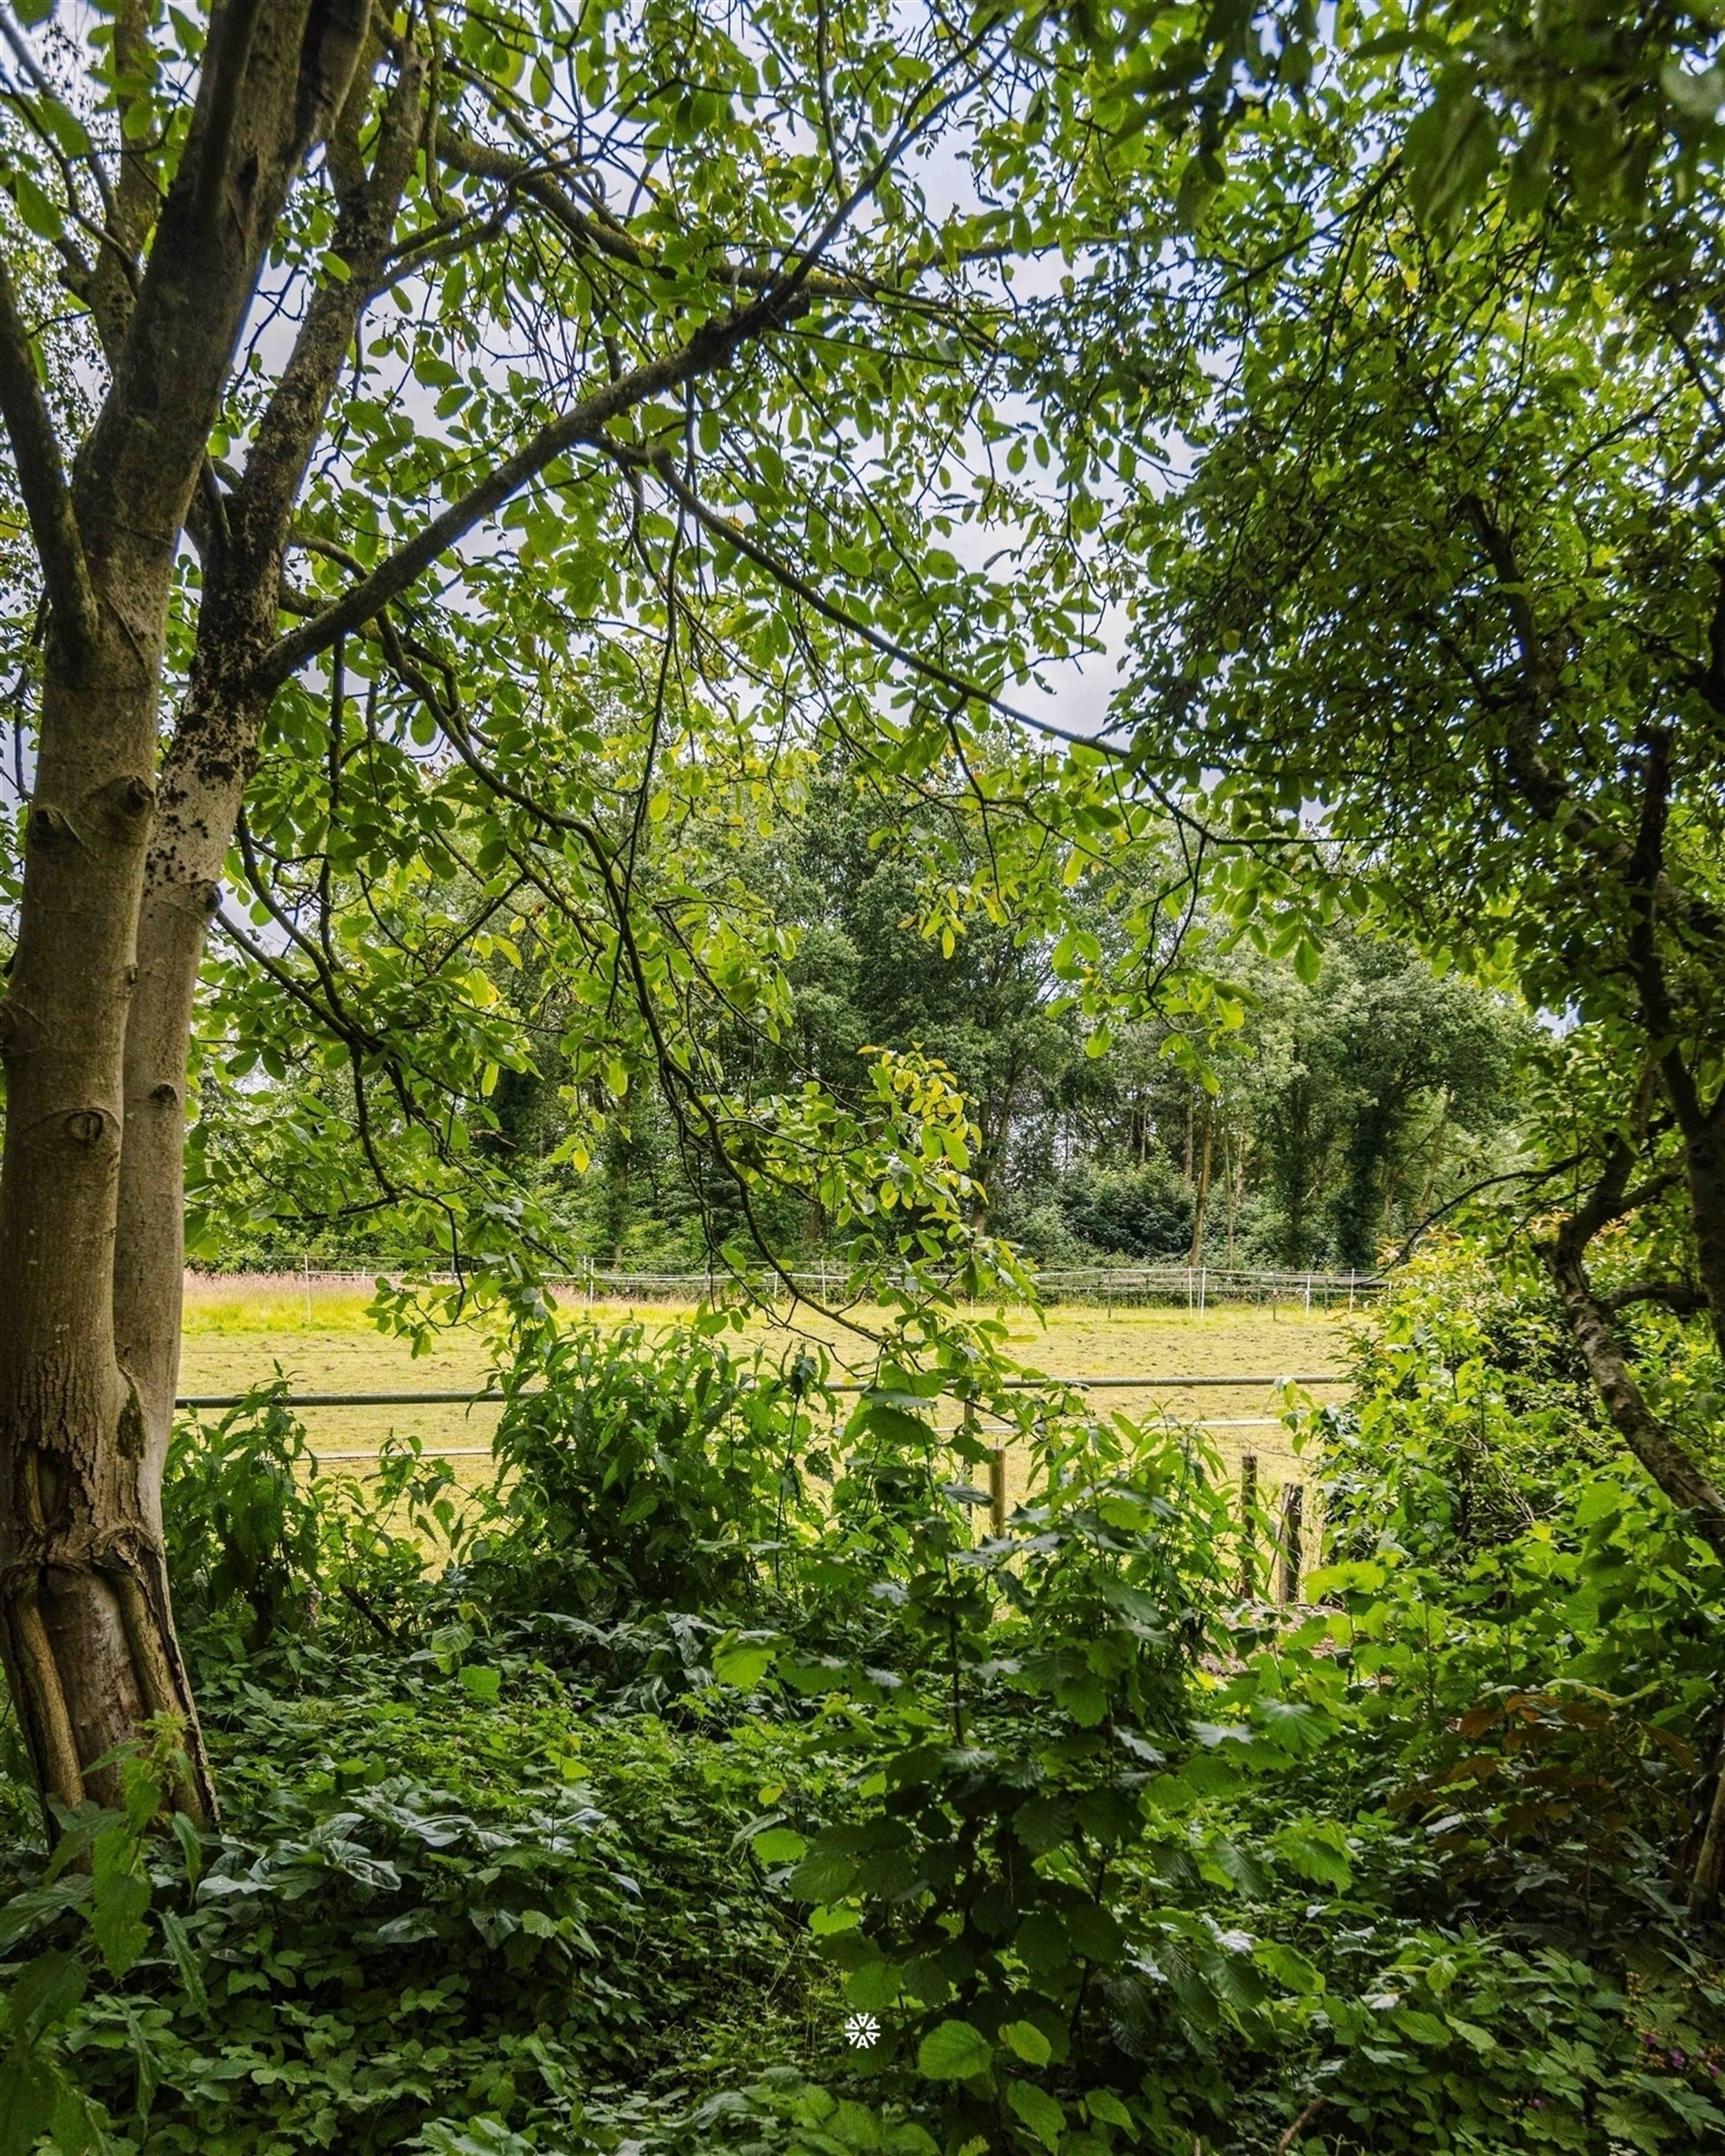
column 41, row 479
column 711, row 347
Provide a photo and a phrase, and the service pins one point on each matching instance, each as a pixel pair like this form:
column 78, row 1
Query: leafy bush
column 643, row 1474
column 1130, row 1212
column 266, row 1549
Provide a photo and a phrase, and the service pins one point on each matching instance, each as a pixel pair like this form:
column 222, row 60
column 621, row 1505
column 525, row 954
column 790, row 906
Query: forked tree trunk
column 118, row 886
column 86, row 1624
column 90, row 1332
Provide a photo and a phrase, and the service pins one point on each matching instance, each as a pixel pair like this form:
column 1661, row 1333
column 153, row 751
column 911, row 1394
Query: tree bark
column 1646, row 1435
column 1201, row 1197
column 95, row 1027
column 86, row 1626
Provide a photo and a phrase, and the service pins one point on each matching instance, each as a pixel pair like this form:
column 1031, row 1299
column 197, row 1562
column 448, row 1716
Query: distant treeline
column 1343, row 1110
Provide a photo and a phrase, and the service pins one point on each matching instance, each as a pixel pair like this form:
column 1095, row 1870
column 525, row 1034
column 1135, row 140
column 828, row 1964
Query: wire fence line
column 1194, row 1287
column 492, row 1394
column 1290, row 1529
column 490, row 1397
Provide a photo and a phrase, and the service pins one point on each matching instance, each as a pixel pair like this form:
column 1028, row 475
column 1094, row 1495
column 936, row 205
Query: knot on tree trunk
column 126, row 799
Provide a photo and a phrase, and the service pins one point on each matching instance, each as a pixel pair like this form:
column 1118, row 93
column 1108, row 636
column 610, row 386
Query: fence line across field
column 1284, row 1554
column 1196, row 1286
column 492, row 1397
column 486, row 1451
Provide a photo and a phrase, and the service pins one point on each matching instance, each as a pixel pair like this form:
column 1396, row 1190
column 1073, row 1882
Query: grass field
column 239, row 1331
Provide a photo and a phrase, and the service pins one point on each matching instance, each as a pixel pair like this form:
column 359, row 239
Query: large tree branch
column 275, row 73
column 785, row 296
column 712, row 347
column 288, row 432
column 41, row 479
column 1612, row 1199
column 1646, row 1435
column 1539, row 782
column 132, row 204
column 1680, row 1296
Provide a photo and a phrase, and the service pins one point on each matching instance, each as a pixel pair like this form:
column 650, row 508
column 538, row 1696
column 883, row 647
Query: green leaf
column 185, row 1960
column 481, row 1682
column 824, row 1875
column 39, row 212
column 743, row 1663
column 25, row 1913
column 1450, row 149
column 1288, row 1967
column 29, row 2092
column 779, row 1844
column 44, row 1994
column 1318, row 1850
column 953, row 2051
column 190, row 1846
column 1027, row 2042
column 1038, row 2111
column 1423, row 2028
column 119, row 1897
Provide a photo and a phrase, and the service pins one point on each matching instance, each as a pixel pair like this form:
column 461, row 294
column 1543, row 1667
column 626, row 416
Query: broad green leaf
column 1038, row 2111
column 1027, row 2042
column 953, row 2051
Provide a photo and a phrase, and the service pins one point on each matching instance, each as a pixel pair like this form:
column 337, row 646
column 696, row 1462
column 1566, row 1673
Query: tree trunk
column 88, row 1353
column 1234, row 1169
column 1658, row 1452
column 1195, row 1255
column 1704, row 1163
column 86, row 1624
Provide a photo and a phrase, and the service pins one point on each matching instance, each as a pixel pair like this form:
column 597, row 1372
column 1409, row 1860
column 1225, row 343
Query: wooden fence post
column 1293, row 1509
column 997, row 1489
column 1248, row 1524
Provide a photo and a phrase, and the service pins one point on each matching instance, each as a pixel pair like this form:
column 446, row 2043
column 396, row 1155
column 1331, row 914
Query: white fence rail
column 1194, row 1287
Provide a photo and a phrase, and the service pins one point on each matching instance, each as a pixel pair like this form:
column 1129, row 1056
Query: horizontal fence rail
column 1289, row 1533
column 1103, row 1384
column 1192, row 1286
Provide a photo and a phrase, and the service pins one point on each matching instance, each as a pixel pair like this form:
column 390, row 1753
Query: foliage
column 644, row 1475
column 259, row 1539
column 1106, row 1857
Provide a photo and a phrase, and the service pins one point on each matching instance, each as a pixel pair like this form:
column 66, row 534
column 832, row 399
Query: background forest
column 1347, row 1104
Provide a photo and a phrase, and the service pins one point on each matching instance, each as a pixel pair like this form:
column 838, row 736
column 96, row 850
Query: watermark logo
column 863, row 2031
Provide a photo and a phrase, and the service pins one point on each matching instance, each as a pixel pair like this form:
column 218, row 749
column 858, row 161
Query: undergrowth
column 729, row 1789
